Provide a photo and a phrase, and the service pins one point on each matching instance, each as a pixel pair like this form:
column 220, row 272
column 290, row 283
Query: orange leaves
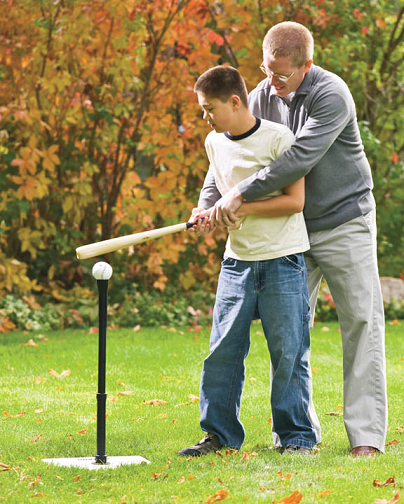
column 392, row 442
column 155, row 402
column 193, row 399
column 248, row 455
column 294, row 498
column 216, row 497
column 6, row 325
column 23, row 413
column 323, row 494
column 283, row 476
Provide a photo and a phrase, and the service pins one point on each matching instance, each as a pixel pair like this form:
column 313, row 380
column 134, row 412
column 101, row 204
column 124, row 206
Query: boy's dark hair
column 222, row 82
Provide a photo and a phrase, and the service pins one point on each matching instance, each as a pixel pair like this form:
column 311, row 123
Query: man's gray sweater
column 328, row 152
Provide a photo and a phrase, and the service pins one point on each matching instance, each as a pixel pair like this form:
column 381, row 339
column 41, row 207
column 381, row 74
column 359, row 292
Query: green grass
column 163, row 364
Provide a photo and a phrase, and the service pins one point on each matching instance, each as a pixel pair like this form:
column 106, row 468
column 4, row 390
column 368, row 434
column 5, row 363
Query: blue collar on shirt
column 247, row 133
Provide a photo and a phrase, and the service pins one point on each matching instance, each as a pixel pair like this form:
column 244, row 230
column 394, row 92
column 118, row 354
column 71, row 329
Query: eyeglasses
column 279, row 77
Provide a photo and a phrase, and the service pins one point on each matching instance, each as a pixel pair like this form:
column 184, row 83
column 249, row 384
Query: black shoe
column 293, row 449
column 210, row 443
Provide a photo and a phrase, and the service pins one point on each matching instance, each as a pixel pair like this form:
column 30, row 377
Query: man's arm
column 329, row 114
column 209, row 192
column 288, row 203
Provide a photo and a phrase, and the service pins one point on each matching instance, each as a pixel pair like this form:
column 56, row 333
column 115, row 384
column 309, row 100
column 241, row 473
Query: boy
column 262, row 276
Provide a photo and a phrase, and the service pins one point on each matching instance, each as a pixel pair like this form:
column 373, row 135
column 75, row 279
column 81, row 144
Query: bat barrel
column 106, row 246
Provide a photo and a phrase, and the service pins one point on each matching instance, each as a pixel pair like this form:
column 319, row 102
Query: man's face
column 281, row 67
column 216, row 113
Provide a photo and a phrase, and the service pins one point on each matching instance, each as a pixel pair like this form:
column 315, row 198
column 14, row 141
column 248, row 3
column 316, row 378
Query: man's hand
column 223, row 213
column 203, row 224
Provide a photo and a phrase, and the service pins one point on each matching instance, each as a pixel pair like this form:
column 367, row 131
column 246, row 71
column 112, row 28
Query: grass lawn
column 47, row 416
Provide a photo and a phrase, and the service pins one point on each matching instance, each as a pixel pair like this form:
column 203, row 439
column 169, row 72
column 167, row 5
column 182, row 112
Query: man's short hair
column 290, row 39
column 222, row 82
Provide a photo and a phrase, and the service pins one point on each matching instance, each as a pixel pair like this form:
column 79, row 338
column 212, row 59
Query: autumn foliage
column 100, row 132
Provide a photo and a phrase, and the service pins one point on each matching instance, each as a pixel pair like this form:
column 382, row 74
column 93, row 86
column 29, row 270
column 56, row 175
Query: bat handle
column 189, row 224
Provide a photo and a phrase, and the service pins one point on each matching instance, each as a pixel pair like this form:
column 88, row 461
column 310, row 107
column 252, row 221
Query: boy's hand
column 224, row 211
column 200, row 217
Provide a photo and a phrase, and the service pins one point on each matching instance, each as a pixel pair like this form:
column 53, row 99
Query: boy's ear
column 235, row 101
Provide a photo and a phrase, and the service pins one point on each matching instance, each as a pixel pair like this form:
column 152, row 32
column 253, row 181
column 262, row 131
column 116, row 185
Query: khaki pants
column 346, row 257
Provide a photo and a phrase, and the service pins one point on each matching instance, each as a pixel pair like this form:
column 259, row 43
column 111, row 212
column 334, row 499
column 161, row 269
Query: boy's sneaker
column 210, row 443
column 292, row 449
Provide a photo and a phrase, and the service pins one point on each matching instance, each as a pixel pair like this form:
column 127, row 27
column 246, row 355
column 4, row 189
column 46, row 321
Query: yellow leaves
column 193, row 398
column 50, row 158
column 82, row 432
column 187, row 279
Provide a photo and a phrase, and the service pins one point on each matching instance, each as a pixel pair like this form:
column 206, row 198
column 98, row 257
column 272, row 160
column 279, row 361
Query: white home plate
column 89, row 462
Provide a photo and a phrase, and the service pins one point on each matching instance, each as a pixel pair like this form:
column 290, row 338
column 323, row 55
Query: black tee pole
column 101, row 457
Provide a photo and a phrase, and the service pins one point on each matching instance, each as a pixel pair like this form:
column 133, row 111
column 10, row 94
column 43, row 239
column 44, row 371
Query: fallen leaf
column 162, row 415
column 323, row 494
column 66, row 372
column 335, row 413
column 194, row 398
column 4, row 467
column 37, row 438
column 283, row 476
column 125, row 392
column 31, row 342
column 181, row 480
column 40, row 410
column 83, row 431
column 246, row 455
column 389, row 481
column 218, row 496
column 77, row 478
column 293, row 498
column 392, row 442
column 314, row 370
column 156, row 475
column 58, row 477
column 155, row 402
column 325, row 329
column 395, row 499
column 400, row 429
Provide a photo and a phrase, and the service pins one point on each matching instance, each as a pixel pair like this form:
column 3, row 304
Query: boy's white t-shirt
column 234, row 158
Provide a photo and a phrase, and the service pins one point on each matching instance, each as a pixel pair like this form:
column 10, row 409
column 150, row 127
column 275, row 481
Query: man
column 339, row 212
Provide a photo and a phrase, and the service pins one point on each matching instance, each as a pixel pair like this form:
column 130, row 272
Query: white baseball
column 102, row 271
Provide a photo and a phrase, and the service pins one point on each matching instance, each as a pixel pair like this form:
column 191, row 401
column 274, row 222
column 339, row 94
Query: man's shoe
column 210, row 443
column 364, row 451
column 293, row 449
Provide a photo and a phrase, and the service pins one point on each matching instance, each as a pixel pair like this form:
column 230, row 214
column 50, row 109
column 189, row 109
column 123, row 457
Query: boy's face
column 216, row 113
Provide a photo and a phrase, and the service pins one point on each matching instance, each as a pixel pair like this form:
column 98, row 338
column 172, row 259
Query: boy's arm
column 288, row 203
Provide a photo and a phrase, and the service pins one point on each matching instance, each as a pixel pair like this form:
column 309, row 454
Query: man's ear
column 307, row 66
column 235, row 101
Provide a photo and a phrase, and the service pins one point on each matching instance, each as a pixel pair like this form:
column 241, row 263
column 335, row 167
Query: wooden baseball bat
column 105, row 246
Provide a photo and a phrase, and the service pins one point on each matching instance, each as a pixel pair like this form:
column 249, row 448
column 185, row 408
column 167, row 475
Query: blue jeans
column 276, row 292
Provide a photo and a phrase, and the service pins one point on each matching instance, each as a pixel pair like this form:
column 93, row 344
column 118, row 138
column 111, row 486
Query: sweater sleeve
column 209, row 193
column 329, row 113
